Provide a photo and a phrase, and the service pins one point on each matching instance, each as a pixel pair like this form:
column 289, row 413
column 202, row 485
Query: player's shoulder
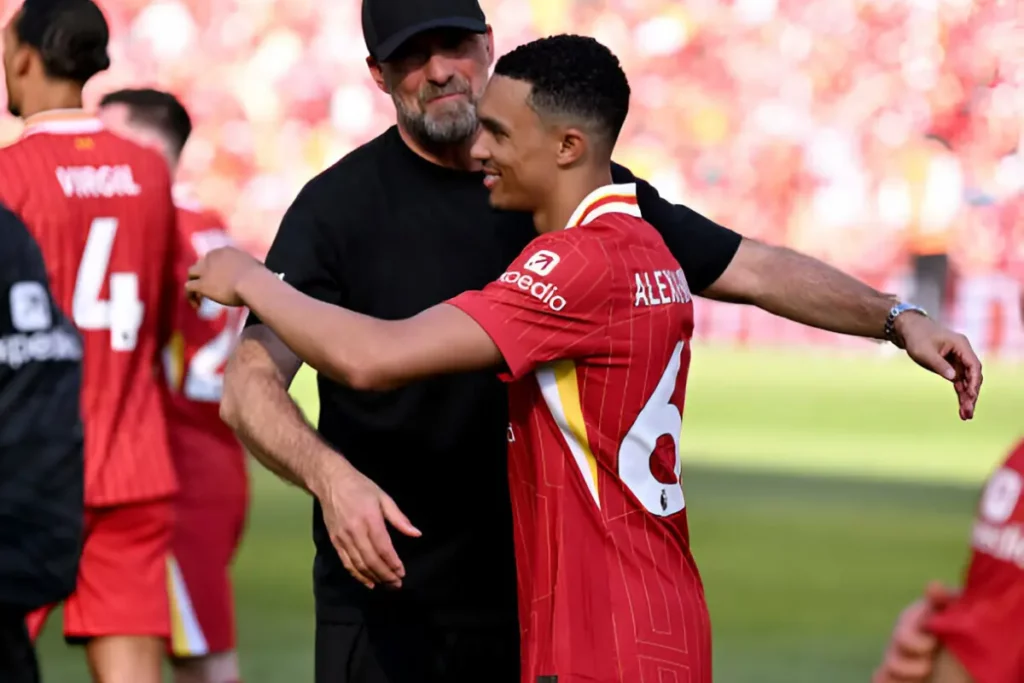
column 192, row 215
column 1015, row 461
column 122, row 149
column 17, row 150
column 570, row 245
column 1004, row 490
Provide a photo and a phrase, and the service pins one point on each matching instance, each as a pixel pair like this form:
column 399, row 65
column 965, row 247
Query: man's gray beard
column 451, row 127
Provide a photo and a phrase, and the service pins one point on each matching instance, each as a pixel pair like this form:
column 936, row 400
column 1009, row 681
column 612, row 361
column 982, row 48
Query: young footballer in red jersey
column 208, row 458
column 975, row 636
column 100, row 208
column 591, row 324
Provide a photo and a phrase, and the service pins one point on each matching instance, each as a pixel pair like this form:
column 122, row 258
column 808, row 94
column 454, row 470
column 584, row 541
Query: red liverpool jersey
column 983, row 627
column 594, row 323
column 100, row 208
column 208, row 458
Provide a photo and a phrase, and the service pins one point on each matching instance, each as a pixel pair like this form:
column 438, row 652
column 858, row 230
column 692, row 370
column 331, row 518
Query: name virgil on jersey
column 88, row 182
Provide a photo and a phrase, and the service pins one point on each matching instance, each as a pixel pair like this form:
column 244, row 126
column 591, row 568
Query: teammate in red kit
column 208, row 458
column 974, row 636
column 591, row 324
column 100, row 208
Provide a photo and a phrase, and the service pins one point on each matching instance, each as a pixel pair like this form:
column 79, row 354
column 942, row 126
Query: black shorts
column 17, row 654
column 366, row 652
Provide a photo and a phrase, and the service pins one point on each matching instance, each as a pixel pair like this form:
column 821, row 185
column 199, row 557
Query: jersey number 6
column 122, row 313
column 659, row 417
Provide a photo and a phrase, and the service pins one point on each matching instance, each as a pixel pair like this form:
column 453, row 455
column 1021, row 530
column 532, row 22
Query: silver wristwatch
column 890, row 322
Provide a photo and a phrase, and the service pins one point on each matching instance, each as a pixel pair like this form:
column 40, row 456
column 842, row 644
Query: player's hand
column 910, row 655
column 216, row 276
column 355, row 510
column 944, row 352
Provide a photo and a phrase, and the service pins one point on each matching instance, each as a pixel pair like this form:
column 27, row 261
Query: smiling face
column 519, row 151
column 435, row 79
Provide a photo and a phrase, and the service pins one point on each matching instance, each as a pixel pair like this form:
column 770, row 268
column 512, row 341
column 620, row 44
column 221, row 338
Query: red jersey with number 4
column 984, row 628
column 208, row 458
column 100, row 208
column 594, row 324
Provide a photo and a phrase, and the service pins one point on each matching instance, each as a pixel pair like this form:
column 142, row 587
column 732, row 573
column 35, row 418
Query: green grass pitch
column 823, row 492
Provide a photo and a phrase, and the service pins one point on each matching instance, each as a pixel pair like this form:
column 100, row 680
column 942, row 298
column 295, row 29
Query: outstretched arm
column 808, row 291
column 803, row 289
column 363, row 352
column 720, row 264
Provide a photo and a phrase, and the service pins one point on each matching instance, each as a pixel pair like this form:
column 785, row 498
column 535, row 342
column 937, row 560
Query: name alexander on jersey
column 651, row 288
column 659, row 287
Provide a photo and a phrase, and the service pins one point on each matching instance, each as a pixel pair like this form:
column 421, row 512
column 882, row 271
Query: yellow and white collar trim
column 605, row 200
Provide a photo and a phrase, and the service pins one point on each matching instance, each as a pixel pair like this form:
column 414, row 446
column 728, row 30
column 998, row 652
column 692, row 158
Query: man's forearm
column 256, row 404
column 363, row 352
column 802, row 289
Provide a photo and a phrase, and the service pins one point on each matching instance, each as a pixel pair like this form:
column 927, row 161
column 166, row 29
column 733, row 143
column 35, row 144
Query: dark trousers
column 931, row 275
column 415, row 653
column 17, row 654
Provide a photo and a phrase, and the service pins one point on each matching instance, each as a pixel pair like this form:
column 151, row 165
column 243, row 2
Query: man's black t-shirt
column 41, row 467
column 389, row 234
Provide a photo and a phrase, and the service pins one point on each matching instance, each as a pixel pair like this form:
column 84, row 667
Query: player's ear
column 490, row 46
column 377, row 74
column 572, row 147
column 21, row 60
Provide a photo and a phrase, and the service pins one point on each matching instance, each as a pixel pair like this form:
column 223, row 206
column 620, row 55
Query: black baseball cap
column 389, row 23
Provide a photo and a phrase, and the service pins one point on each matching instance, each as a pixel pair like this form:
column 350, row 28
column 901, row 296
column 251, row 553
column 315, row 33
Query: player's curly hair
column 572, row 76
column 71, row 37
column 156, row 109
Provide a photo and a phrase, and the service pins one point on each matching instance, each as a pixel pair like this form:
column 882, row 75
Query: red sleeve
column 552, row 303
column 983, row 628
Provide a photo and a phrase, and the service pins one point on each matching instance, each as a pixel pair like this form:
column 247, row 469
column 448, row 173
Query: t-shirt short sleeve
column 304, row 251
column 983, row 628
column 703, row 248
column 552, row 303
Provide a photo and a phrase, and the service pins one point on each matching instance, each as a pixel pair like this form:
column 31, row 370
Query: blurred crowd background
column 875, row 134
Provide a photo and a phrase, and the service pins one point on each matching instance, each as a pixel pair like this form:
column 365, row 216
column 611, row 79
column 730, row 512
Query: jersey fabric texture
column 208, row 459
column 983, row 627
column 409, row 235
column 100, row 208
column 594, row 323
column 41, row 468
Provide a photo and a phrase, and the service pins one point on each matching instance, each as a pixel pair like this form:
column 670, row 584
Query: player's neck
column 53, row 96
column 454, row 156
column 566, row 195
